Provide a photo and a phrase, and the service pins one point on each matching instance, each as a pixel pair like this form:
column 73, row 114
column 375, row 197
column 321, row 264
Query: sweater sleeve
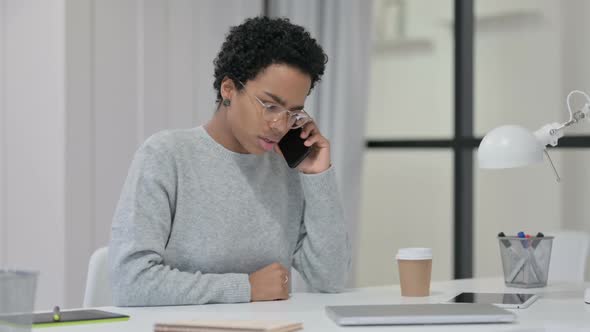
column 323, row 254
column 139, row 235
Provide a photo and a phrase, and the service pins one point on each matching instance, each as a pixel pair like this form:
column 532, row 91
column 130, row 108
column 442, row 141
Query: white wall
column 33, row 167
column 79, row 168
column 2, row 131
column 85, row 82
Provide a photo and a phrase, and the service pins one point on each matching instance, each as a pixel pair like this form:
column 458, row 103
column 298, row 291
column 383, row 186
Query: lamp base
column 587, row 296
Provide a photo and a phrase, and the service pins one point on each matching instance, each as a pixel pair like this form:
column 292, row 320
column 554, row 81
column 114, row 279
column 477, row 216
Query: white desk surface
column 560, row 308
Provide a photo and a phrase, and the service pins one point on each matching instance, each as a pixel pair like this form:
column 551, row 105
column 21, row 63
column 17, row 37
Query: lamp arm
column 584, row 113
column 549, row 134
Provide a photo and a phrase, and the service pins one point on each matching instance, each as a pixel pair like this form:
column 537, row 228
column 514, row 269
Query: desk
column 560, row 308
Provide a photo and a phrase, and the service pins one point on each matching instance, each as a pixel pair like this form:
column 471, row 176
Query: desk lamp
column 513, row 146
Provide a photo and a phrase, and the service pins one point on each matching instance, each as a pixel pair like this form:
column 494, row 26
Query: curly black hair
column 259, row 42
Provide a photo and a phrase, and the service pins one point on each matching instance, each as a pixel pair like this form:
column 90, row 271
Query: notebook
column 227, row 326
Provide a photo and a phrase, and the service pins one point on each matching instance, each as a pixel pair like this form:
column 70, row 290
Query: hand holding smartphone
column 292, row 147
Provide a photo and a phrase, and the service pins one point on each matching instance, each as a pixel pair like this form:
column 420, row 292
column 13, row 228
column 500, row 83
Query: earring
column 226, row 102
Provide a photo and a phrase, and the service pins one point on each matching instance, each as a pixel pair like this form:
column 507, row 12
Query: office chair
column 569, row 255
column 98, row 287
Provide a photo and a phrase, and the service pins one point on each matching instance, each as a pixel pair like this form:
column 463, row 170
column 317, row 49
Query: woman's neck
column 218, row 128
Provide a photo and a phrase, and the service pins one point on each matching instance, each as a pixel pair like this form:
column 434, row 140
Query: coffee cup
column 415, row 269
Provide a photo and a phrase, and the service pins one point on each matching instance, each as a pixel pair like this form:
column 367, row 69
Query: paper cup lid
column 414, row 253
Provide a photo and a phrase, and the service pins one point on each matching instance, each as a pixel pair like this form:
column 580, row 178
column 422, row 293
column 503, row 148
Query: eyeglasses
column 274, row 113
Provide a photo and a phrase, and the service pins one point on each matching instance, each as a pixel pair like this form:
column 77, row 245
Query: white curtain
column 339, row 103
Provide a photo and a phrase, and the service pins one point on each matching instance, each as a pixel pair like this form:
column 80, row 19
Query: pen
column 524, row 240
column 507, row 244
column 56, row 314
column 514, row 255
column 538, row 240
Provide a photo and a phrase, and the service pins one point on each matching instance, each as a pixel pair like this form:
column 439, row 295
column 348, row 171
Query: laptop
column 405, row 314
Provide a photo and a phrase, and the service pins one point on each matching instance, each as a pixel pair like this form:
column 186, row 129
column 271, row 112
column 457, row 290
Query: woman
column 213, row 214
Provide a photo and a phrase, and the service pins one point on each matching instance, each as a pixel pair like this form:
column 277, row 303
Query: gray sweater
column 194, row 219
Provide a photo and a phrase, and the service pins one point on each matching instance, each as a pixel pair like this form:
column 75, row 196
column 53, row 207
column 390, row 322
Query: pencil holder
column 17, row 298
column 525, row 261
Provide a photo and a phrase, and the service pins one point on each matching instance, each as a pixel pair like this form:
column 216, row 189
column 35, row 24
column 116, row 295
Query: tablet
column 504, row 300
column 408, row 314
column 72, row 317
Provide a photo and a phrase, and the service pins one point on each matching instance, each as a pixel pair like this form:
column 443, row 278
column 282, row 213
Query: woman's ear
column 227, row 88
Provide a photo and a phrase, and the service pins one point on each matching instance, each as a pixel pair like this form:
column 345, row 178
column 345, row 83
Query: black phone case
column 293, row 148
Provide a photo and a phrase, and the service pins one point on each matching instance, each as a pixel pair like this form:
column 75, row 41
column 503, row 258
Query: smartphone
column 504, row 300
column 293, row 148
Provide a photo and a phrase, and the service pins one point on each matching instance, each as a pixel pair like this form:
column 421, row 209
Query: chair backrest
column 98, row 287
column 569, row 255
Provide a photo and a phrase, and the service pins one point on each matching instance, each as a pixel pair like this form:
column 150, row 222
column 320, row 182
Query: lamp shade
column 509, row 146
